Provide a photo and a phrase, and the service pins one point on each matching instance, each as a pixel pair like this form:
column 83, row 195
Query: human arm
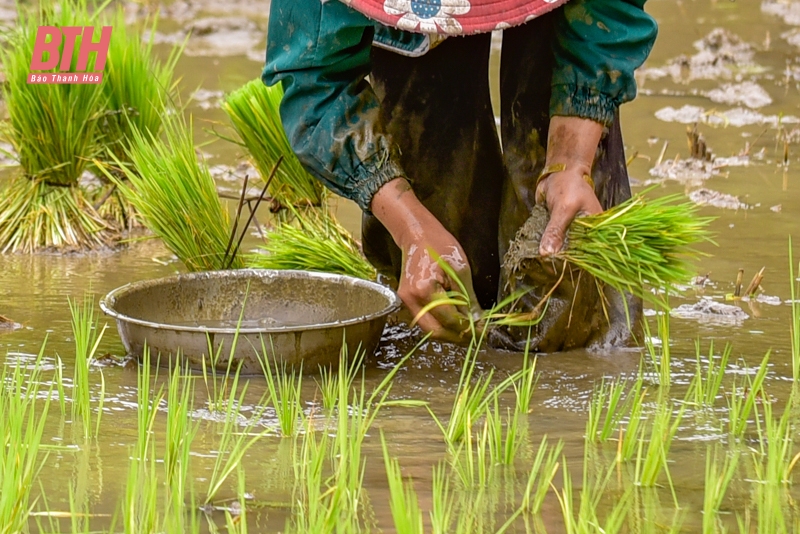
column 320, row 52
column 599, row 44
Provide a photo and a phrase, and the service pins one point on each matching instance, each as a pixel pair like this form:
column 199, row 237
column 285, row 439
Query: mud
column 709, row 197
column 219, row 37
column 749, row 94
column 707, row 310
column 720, row 55
column 738, row 117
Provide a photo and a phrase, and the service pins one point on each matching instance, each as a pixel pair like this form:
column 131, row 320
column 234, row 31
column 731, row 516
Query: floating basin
column 301, row 317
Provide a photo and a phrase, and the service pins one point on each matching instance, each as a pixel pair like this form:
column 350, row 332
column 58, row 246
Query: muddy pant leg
column 576, row 315
column 438, row 110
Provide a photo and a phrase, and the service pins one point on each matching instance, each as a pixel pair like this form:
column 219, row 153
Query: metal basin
column 301, row 317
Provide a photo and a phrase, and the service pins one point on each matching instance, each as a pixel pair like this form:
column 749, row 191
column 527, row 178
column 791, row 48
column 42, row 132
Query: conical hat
column 453, row 17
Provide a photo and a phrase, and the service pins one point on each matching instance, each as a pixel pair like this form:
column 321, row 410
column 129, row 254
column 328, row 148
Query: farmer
column 387, row 102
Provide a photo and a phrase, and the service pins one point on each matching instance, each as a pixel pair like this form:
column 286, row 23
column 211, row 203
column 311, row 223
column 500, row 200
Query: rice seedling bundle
column 53, row 130
column 177, row 196
column 138, row 89
column 314, row 242
column 254, row 111
column 641, row 241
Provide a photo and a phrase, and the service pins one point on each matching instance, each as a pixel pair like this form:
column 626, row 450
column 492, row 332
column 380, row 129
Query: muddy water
column 34, row 290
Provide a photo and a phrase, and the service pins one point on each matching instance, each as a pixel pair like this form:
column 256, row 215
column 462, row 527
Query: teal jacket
column 320, row 51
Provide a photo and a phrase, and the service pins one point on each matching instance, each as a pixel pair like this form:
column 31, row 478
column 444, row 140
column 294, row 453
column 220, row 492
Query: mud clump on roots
column 575, row 310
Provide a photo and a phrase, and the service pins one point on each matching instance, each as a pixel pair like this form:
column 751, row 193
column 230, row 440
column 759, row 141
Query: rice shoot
column 177, row 196
column 254, row 111
column 315, row 241
column 641, row 241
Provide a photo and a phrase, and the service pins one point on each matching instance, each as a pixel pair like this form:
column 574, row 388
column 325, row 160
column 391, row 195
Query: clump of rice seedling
column 234, row 441
column 138, row 89
column 740, row 406
column 180, row 434
column 330, row 379
column 285, row 387
column 87, row 335
column 543, row 471
column 53, row 129
column 503, row 447
column 718, row 478
column 177, row 196
column 606, row 409
column 315, row 241
column 633, row 433
column 403, row 500
column 140, row 505
column 641, row 241
column 21, row 430
column 254, row 111
column 442, row 504
column 651, row 457
column 705, row 386
column 524, row 387
column 660, row 358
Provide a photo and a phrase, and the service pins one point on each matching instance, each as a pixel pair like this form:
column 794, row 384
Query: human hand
column 567, row 194
column 571, row 144
column 426, row 245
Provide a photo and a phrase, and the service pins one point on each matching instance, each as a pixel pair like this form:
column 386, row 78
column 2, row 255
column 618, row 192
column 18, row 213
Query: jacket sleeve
column 599, row 43
column 320, row 52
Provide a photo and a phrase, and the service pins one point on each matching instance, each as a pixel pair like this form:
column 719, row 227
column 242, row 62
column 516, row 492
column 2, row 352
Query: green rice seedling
column 641, row 241
column 317, row 508
column 660, row 357
column 795, row 327
column 706, row 385
column 21, row 430
column 285, row 386
column 176, row 196
column 632, row 435
column 329, row 381
column 472, row 461
column 525, row 386
column 606, row 409
column 140, row 506
column 442, row 502
column 87, row 335
column 59, row 380
column 543, row 471
column 503, row 446
column 138, row 88
column 314, row 241
column 235, row 439
column 180, row 433
column 254, row 112
column 403, row 501
column 583, row 519
column 718, row 477
column 53, row 129
column 740, row 405
column 651, row 459
column 472, row 399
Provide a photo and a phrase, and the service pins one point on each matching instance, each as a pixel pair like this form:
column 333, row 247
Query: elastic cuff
column 582, row 101
column 371, row 176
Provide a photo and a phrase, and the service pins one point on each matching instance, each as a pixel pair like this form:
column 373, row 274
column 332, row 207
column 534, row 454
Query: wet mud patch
column 707, row 310
column 219, row 37
column 720, row 55
column 709, row 197
column 748, row 94
column 738, row 117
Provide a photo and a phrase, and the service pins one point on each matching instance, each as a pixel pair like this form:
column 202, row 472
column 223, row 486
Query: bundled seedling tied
column 641, row 241
column 254, row 112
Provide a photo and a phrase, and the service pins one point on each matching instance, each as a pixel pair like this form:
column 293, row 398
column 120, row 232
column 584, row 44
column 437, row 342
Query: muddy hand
column 423, row 240
column 567, row 191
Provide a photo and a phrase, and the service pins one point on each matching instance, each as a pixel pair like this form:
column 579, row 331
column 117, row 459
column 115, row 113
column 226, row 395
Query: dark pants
column 438, row 110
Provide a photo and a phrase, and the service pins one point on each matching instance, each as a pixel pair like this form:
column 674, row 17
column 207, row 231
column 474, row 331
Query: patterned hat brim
column 453, row 17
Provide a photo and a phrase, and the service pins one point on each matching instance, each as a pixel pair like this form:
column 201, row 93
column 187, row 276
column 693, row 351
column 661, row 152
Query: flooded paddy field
column 703, row 457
